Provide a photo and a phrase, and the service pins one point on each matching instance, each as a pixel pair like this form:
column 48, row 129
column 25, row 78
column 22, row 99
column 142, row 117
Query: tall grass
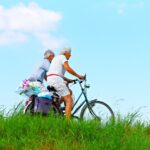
column 20, row 132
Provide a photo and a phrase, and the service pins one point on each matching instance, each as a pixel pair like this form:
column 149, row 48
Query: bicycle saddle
column 51, row 88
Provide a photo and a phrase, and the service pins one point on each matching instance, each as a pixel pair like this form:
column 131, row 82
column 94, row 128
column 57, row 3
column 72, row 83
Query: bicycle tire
column 29, row 108
column 102, row 106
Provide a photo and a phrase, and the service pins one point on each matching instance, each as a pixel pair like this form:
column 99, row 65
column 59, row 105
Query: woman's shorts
column 59, row 84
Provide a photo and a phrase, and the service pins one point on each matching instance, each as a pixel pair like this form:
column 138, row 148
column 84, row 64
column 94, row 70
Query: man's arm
column 68, row 80
column 45, row 77
column 71, row 71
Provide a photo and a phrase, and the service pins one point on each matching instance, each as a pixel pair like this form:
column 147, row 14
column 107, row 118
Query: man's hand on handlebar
column 70, row 81
column 82, row 77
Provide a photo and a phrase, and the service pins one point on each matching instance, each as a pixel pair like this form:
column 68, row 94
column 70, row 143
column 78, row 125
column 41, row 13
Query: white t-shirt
column 57, row 65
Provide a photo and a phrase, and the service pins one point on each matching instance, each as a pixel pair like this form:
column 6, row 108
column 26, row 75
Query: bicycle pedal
column 62, row 108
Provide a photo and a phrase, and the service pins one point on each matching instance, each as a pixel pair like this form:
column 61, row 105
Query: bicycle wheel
column 98, row 110
column 29, row 108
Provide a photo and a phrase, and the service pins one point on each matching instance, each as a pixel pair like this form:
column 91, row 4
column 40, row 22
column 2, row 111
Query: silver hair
column 64, row 50
column 48, row 53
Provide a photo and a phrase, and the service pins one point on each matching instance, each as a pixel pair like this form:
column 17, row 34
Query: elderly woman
column 55, row 77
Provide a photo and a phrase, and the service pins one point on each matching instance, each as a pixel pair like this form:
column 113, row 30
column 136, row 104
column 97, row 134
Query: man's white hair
column 48, row 53
column 65, row 50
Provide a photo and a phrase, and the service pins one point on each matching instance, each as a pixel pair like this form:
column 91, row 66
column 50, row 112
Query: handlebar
column 79, row 80
column 75, row 81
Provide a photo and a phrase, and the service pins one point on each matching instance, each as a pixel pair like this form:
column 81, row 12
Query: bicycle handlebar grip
column 75, row 81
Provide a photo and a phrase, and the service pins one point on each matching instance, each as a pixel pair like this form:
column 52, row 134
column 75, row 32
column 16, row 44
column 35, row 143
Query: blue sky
column 109, row 39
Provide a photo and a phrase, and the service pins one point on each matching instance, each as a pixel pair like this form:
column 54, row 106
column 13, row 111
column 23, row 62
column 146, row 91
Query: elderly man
column 37, row 79
column 40, row 73
column 55, row 77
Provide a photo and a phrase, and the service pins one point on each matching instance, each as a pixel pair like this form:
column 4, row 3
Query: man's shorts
column 59, row 84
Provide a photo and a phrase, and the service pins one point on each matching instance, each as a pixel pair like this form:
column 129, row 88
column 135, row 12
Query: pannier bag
column 42, row 105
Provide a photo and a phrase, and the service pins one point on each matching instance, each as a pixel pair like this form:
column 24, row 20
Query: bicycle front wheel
column 97, row 110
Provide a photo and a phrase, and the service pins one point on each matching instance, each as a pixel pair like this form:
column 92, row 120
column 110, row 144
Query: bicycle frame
column 84, row 93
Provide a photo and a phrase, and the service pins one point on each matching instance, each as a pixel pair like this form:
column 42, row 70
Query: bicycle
column 91, row 109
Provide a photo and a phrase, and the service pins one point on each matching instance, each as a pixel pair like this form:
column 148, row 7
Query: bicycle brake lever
column 81, row 81
column 87, row 86
column 75, row 81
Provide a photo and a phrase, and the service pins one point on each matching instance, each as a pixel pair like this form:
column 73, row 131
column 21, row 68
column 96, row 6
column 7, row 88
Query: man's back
column 41, row 71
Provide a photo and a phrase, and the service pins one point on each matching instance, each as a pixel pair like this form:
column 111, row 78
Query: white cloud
column 121, row 11
column 50, row 41
column 138, row 5
column 11, row 37
column 28, row 20
column 123, row 7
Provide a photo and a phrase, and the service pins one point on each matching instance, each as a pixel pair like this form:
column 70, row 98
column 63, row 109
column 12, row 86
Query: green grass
column 20, row 132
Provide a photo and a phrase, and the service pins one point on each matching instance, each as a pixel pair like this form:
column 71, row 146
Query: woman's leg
column 68, row 101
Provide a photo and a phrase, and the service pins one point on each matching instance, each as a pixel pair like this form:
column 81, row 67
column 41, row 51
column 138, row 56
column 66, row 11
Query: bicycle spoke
column 99, row 110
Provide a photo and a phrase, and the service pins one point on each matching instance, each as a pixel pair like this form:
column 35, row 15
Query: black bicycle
column 90, row 109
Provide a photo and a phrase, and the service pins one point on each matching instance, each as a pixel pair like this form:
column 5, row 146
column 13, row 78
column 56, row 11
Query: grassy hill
column 20, row 132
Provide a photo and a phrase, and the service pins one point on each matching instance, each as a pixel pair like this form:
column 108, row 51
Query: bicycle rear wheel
column 97, row 110
column 29, row 108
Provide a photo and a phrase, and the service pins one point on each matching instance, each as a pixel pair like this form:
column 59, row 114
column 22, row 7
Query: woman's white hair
column 48, row 53
column 65, row 50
